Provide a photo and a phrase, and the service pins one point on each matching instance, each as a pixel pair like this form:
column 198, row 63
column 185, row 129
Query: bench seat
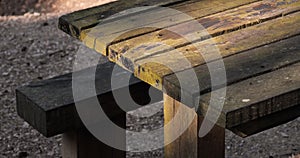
column 49, row 106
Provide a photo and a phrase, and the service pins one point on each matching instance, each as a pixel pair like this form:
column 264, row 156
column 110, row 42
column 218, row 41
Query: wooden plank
column 49, row 105
column 258, row 97
column 238, row 67
column 88, row 22
column 99, row 37
column 216, row 24
column 147, row 68
column 73, row 23
column 267, row 122
column 189, row 7
column 177, row 116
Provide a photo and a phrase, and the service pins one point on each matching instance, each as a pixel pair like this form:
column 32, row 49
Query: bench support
column 82, row 144
column 189, row 144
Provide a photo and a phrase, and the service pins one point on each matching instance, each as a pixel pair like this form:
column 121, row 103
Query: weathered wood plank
column 178, row 116
column 91, row 21
column 267, row 122
column 147, row 68
column 49, row 105
column 74, row 23
column 258, row 97
column 216, row 24
column 99, row 37
column 238, row 67
column 220, row 23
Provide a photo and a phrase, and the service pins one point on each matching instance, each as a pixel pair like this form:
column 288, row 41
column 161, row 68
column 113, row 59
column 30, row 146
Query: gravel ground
column 32, row 48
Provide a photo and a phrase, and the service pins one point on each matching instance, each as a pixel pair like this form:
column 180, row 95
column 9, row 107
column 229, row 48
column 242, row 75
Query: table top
column 256, row 42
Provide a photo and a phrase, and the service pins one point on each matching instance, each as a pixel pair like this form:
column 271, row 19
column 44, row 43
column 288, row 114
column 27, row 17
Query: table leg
column 82, row 144
column 189, row 145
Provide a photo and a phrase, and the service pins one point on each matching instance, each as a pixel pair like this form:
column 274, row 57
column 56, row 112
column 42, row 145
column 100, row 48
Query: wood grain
column 186, row 143
column 259, row 44
column 239, row 67
column 100, row 36
column 149, row 70
column 261, row 96
column 189, row 144
column 243, row 70
column 49, row 105
column 74, row 23
column 216, row 24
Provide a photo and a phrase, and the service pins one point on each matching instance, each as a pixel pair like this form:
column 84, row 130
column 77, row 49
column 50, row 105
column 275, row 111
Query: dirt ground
column 32, row 48
column 17, row 7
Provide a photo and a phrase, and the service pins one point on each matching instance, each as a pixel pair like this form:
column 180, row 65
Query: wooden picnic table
column 258, row 42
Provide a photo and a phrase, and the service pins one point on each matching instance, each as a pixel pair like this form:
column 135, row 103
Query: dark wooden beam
column 49, row 105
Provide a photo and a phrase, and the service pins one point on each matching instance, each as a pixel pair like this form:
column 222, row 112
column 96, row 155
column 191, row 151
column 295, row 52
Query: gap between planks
column 161, row 17
column 228, row 44
column 239, row 67
column 267, row 94
column 74, row 22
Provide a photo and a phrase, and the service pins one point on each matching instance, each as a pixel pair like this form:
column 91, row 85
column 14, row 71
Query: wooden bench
column 50, row 108
column 259, row 44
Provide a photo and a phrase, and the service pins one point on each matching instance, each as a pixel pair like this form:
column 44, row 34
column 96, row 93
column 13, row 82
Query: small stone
column 25, row 125
column 16, row 135
column 144, row 131
column 36, row 14
column 51, row 153
column 5, row 74
column 246, row 100
column 284, row 135
column 36, row 140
